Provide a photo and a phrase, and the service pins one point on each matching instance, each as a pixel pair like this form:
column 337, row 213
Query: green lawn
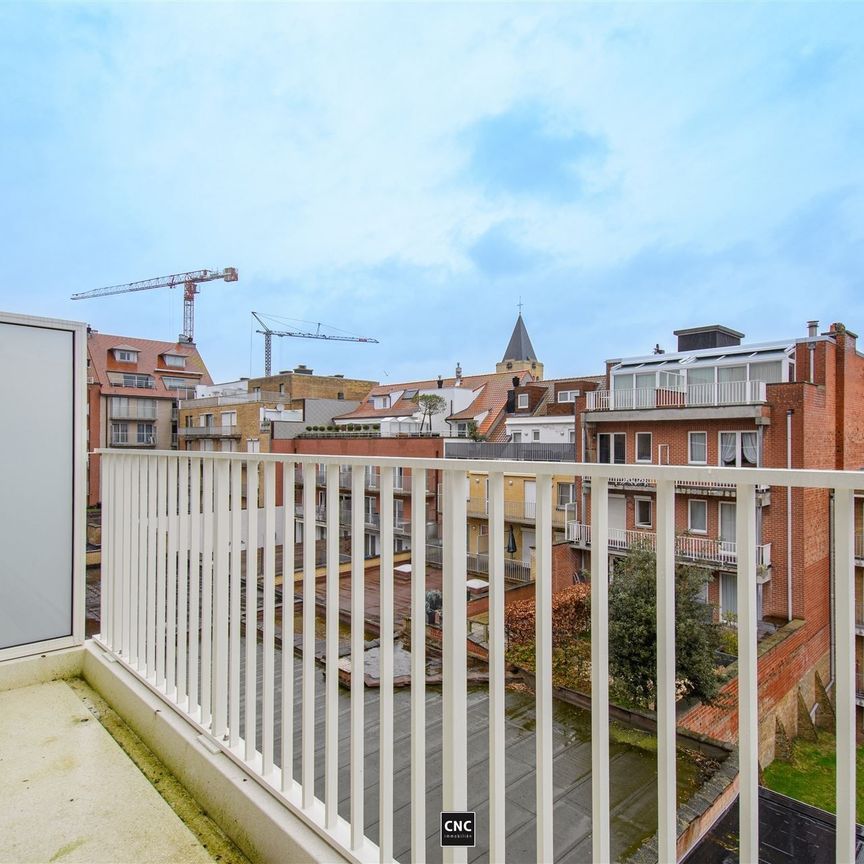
column 809, row 777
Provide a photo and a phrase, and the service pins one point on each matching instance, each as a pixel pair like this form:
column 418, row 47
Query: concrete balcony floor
column 72, row 793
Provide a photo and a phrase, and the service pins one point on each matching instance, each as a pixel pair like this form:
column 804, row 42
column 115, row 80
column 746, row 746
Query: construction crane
column 268, row 333
column 189, row 281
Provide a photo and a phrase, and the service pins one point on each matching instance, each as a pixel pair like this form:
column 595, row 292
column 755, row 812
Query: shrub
column 571, row 617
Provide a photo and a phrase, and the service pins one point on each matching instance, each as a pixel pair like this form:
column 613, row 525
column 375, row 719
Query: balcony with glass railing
column 211, row 430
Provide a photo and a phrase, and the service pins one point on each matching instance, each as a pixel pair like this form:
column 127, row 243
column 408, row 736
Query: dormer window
column 175, row 361
column 125, row 355
column 522, row 400
column 381, row 401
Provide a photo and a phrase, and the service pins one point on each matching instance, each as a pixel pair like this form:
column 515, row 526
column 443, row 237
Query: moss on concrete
column 209, row 834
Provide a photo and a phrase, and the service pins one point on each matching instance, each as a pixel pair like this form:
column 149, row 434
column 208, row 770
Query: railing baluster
column 171, row 586
column 126, row 568
column 251, row 682
column 385, row 698
column 269, row 612
column 196, row 467
column 667, row 832
column 497, row 728
column 307, row 727
column 135, row 570
column 234, row 601
column 543, row 687
column 844, row 617
column 454, row 660
column 287, row 731
column 151, row 567
column 221, row 542
column 106, row 564
column 418, row 665
column 207, row 598
column 183, row 583
column 358, row 626
column 331, row 659
column 161, row 538
column 748, row 706
column 601, row 849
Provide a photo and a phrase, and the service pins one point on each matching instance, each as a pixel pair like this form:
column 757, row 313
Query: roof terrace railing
column 173, row 570
column 533, row 451
column 694, row 396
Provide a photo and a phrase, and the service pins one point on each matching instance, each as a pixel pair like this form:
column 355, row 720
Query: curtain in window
column 727, row 448
column 748, row 447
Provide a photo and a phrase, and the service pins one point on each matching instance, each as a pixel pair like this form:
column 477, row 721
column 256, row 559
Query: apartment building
column 237, row 416
column 134, row 386
column 718, row 401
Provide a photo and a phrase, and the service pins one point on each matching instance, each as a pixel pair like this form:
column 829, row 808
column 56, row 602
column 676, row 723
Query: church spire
column 519, row 355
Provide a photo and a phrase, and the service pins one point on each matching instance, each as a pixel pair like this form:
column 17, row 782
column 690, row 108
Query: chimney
column 812, row 329
column 440, row 383
column 302, row 369
column 516, row 381
column 709, row 336
column 458, row 375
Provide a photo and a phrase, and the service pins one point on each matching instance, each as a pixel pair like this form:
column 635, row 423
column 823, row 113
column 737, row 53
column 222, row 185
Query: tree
column 429, row 404
column 633, row 629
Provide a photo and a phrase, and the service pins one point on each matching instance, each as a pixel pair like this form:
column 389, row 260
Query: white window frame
column 143, row 437
column 120, row 433
column 690, row 459
column 175, row 361
column 535, row 434
column 636, row 501
column 650, row 447
column 561, row 486
column 122, row 355
column 568, row 395
column 516, row 437
column 612, row 436
column 738, row 448
column 690, row 503
column 522, row 400
column 572, row 435
column 462, row 429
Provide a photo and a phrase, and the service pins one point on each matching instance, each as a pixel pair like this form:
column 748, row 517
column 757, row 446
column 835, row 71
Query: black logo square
column 457, row 829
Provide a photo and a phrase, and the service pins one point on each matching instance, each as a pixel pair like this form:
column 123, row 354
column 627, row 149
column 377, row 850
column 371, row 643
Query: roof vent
column 302, row 369
column 812, row 329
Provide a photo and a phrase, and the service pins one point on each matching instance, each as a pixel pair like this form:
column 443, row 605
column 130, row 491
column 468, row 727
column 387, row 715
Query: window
column 143, row 381
column 610, row 447
column 184, row 386
column 728, row 597
column 516, row 438
column 381, row 401
column 566, row 494
column 253, row 445
column 176, row 361
column 119, row 433
column 229, row 418
column 697, row 448
column 123, row 355
column 227, row 446
column 770, row 373
column 572, row 435
column 697, row 516
column 644, row 515
column 409, row 394
column 522, row 400
column 739, row 449
column 731, row 373
column 461, row 430
column 567, row 395
column 643, row 446
column 205, row 420
column 146, row 433
column 535, row 434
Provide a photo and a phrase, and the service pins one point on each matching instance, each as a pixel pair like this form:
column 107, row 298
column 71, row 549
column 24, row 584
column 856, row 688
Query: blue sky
column 408, row 171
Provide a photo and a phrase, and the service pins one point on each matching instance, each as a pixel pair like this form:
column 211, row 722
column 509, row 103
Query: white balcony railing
column 173, row 564
column 696, row 395
column 687, row 546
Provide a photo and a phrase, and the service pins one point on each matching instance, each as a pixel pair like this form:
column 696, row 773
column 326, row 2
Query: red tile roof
column 490, row 395
column 150, row 362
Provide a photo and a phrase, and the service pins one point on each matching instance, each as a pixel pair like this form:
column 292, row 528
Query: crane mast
column 189, row 281
column 268, row 333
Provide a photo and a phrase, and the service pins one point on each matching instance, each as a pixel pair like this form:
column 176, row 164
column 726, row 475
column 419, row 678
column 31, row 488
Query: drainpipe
column 789, row 414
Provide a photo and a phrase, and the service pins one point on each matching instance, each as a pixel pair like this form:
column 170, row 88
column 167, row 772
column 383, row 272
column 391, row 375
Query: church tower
column 520, row 356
